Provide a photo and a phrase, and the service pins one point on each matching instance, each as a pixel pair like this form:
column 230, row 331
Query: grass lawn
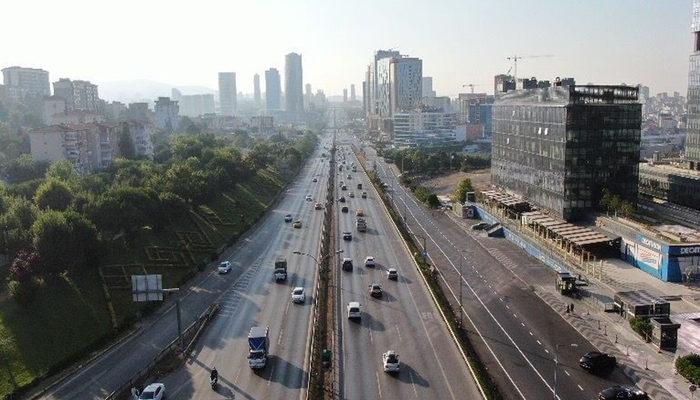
column 70, row 315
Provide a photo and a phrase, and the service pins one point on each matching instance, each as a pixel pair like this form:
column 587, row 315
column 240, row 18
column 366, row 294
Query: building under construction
column 559, row 147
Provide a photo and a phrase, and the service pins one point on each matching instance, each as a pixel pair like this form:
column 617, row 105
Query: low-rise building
column 670, row 183
column 79, row 95
column 141, row 132
column 167, row 114
column 89, row 147
column 424, row 127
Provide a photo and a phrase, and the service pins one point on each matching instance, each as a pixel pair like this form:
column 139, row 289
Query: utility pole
column 461, row 279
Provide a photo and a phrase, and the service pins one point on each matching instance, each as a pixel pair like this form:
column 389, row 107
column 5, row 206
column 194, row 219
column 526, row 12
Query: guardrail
column 173, row 348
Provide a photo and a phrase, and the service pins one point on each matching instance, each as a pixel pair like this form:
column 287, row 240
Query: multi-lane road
column 514, row 331
column 405, row 319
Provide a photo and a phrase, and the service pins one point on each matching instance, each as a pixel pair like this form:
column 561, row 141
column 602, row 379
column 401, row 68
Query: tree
column 433, row 201
column 173, row 206
column 460, row 193
column 126, row 145
column 25, row 168
column 62, row 170
column 54, row 195
column 64, row 240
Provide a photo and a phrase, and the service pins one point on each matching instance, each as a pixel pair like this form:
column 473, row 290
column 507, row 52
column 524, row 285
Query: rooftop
column 574, row 94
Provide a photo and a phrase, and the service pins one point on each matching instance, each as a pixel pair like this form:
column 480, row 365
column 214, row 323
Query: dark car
column 344, row 209
column 342, row 199
column 618, row 392
column 596, row 361
column 347, row 236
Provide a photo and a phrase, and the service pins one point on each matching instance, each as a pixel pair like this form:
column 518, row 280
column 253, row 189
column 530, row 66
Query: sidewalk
column 652, row 370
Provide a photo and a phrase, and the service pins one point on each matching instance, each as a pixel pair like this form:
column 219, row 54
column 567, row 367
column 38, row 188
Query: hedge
column 689, row 367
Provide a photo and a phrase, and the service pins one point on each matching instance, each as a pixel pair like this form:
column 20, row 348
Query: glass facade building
column 692, row 142
column 559, row 147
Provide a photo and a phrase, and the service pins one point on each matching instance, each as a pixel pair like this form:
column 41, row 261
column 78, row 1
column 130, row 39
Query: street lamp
column 556, row 364
column 318, row 263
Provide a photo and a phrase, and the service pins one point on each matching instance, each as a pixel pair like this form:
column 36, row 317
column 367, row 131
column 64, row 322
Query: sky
column 460, row 41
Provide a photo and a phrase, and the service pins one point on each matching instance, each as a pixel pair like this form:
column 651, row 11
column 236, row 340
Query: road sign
column 147, row 287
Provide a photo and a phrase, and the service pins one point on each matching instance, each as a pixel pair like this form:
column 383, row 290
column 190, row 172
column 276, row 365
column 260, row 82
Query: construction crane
column 515, row 59
column 471, row 86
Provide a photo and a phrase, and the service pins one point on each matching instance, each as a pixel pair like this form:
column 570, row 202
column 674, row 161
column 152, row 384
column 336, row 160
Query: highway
column 405, row 319
column 514, row 332
column 248, row 296
column 255, row 299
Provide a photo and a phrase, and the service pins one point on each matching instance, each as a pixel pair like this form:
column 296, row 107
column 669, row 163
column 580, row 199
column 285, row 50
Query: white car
column 298, row 295
column 354, row 310
column 308, row 197
column 369, row 262
column 154, row 391
column 390, row 360
column 224, row 267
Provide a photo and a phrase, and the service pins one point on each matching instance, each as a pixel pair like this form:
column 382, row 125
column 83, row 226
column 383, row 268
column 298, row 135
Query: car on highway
column 347, row 236
column 369, row 262
column 619, row 392
column 342, row 199
column 314, row 180
column 375, row 290
column 392, row 274
column 318, row 206
column 364, row 195
column 224, row 267
column 154, row 391
column 390, row 361
column 297, row 224
column 288, row 218
column 347, row 264
column 298, row 295
column 354, row 310
column 596, row 362
column 343, row 187
column 359, row 186
column 351, row 194
column 360, row 212
column 308, row 197
column 344, row 209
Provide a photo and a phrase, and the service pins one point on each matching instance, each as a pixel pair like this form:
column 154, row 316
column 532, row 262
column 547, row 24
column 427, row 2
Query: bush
column 22, row 292
column 689, row 367
column 642, row 326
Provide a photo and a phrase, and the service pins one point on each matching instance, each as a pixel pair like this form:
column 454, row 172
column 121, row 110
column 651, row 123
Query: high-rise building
column 372, row 80
column 405, row 76
column 273, row 90
column 345, row 95
column 352, row 93
column 308, row 95
column 22, row 83
column 227, row 92
column 424, row 127
column 79, row 95
column 427, row 87
column 293, row 84
column 692, row 142
column 195, row 105
column 559, row 147
column 167, row 114
column 256, row 88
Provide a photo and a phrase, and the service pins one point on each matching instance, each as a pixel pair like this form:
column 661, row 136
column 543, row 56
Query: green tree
column 173, row 206
column 53, row 194
column 62, row 170
column 64, row 240
column 460, row 192
column 126, row 145
column 25, row 168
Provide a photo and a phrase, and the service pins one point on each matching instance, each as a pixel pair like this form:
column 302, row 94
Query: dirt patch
column 445, row 184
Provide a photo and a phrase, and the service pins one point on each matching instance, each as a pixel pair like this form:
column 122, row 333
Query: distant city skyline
column 460, row 42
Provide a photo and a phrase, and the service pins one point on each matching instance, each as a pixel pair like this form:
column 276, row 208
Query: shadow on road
column 280, row 371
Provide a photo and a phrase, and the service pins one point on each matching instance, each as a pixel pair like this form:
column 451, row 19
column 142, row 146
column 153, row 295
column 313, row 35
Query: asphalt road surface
column 249, row 296
column 515, row 333
column 405, row 319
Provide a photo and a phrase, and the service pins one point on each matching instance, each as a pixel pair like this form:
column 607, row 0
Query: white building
column 167, row 114
column 195, row 105
column 427, row 89
column 273, row 90
column 53, row 105
column 227, row 93
column 406, row 79
column 89, row 147
column 22, row 83
column 79, row 95
column 256, row 89
column 293, row 84
column 424, row 127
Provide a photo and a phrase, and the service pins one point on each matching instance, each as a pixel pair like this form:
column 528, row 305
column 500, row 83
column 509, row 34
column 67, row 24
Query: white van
column 354, row 310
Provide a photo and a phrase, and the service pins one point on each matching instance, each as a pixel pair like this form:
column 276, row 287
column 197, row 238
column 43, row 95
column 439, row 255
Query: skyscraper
column 345, row 95
column 256, row 88
column 427, row 88
column 405, row 77
column 293, row 84
column 273, row 90
column 692, row 141
column 227, row 92
column 352, row 93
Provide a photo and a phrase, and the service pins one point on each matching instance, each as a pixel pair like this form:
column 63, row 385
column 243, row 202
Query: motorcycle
column 213, row 382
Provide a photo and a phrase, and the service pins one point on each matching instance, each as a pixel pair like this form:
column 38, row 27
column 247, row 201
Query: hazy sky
column 460, row 41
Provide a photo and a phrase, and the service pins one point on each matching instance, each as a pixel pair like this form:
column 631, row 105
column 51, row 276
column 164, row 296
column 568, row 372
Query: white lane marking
column 398, row 332
column 567, row 373
column 522, row 323
column 580, row 388
column 379, row 386
column 530, row 332
column 544, row 381
column 413, row 384
column 546, row 351
column 540, row 343
column 507, row 307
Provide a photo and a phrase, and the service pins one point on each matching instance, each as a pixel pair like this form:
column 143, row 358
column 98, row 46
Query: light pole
column 318, row 263
column 556, row 364
column 424, row 253
column 461, row 282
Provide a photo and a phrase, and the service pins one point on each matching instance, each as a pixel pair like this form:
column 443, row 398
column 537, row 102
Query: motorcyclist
column 214, row 376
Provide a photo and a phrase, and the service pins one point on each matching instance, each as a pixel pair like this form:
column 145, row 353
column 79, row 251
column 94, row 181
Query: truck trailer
column 258, row 343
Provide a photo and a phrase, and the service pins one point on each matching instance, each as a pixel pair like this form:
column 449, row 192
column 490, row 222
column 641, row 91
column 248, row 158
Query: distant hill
column 143, row 90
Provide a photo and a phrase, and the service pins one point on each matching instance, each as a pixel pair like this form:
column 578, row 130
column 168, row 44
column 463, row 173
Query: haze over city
column 460, row 41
